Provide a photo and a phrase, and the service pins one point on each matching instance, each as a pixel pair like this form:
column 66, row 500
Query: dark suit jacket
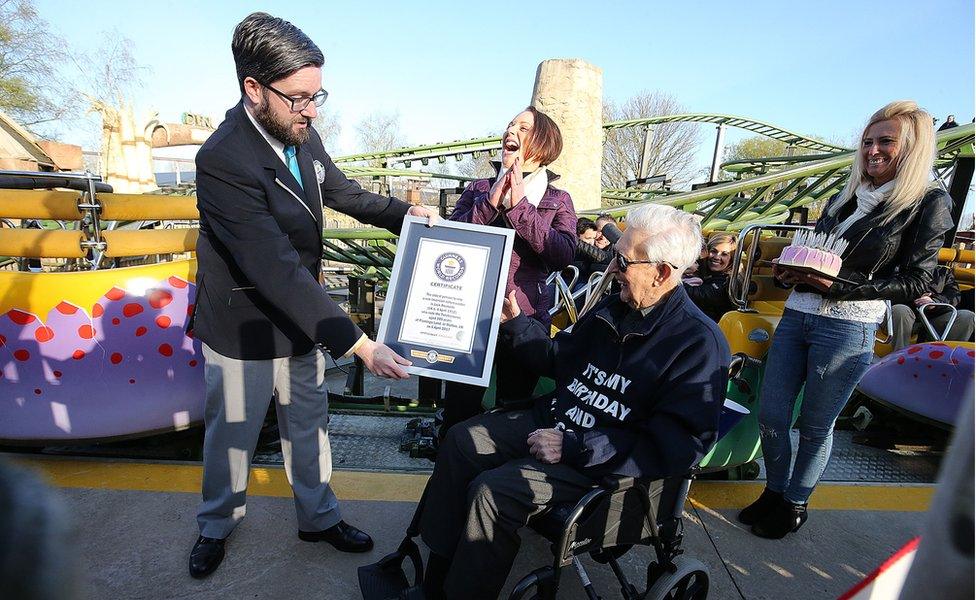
column 260, row 246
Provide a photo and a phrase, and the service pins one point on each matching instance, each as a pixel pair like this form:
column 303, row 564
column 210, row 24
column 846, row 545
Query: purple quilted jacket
column 545, row 240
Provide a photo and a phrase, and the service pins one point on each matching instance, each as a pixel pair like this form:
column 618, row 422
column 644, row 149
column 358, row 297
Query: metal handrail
column 928, row 324
column 739, row 293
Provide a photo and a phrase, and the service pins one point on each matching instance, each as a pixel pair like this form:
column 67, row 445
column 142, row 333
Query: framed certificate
column 445, row 298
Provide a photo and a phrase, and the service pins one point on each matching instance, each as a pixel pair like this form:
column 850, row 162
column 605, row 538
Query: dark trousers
column 512, row 382
column 484, row 488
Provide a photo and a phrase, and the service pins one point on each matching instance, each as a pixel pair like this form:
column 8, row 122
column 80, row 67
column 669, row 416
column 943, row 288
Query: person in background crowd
column 602, row 220
column 950, row 122
column 521, row 197
column 712, row 294
column 894, row 218
column 944, row 290
column 589, row 258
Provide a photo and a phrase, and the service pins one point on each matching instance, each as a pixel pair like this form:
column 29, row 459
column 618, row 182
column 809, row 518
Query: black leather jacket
column 893, row 261
column 712, row 296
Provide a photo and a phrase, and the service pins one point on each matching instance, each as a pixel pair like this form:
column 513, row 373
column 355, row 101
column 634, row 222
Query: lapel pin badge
column 319, row 172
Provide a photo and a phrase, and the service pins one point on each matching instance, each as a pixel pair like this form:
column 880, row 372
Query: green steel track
column 477, row 146
column 790, row 182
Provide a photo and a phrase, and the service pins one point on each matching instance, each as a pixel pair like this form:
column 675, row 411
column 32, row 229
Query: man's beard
column 278, row 130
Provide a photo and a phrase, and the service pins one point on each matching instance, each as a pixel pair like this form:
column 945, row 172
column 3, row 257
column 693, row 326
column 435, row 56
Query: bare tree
column 111, row 74
column 478, row 166
column 671, row 149
column 379, row 131
column 32, row 86
column 327, row 124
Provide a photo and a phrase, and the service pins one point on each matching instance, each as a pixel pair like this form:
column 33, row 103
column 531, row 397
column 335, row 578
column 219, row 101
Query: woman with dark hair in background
column 893, row 218
column 712, row 294
column 522, row 198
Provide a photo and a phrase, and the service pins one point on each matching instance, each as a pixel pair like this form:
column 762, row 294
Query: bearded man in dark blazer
column 261, row 313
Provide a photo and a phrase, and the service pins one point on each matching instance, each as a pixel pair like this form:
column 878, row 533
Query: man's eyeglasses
column 624, row 262
column 300, row 104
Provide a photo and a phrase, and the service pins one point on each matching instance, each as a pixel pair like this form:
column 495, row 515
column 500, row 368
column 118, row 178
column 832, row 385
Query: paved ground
column 133, row 539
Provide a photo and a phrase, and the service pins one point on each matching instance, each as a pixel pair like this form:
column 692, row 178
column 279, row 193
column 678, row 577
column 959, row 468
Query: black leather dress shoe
column 206, row 556
column 343, row 536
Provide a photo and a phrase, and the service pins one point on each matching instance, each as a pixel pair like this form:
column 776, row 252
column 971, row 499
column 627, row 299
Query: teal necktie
column 292, row 161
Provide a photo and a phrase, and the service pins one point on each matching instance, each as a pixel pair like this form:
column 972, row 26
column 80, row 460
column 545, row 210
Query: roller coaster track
column 769, row 197
column 477, row 146
column 766, row 198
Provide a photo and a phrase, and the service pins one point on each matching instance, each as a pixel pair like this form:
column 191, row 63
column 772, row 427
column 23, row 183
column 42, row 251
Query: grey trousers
column 238, row 393
column 484, row 488
column 905, row 322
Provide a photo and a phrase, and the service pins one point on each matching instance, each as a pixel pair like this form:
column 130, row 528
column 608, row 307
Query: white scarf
column 868, row 197
column 535, row 186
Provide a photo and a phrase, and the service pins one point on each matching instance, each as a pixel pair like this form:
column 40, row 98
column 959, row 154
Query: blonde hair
column 913, row 167
column 721, row 238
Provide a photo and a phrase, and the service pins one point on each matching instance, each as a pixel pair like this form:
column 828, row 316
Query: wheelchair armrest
column 614, row 483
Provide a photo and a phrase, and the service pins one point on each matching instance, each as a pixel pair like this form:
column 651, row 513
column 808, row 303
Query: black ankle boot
column 761, row 507
column 784, row 518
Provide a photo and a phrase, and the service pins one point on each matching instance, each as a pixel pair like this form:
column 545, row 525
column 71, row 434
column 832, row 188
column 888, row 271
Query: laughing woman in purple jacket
column 521, row 197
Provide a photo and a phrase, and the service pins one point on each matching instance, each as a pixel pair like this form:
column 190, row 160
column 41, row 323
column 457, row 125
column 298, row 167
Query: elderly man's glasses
column 624, row 262
column 300, row 104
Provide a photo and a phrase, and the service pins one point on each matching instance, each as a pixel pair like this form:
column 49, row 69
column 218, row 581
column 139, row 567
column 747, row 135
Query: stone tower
column 571, row 92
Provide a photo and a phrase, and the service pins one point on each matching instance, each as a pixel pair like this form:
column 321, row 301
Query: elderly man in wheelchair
column 640, row 382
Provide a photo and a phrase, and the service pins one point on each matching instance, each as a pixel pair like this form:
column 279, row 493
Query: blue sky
column 454, row 70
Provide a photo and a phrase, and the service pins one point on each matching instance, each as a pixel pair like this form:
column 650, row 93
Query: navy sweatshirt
column 644, row 404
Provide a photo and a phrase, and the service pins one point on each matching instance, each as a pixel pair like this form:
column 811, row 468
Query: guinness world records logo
column 449, row 266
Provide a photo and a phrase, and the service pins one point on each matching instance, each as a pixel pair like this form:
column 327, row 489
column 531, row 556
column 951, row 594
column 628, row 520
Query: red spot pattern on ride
column 162, row 321
column 177, row 282
column 44, row 334
column 166, row 350
column 58, row 374
column 116, row 321
column 78, row 354
column 86, row 332
column 37, row 391
column 192, row 363
column 20, row 317
column 3, row 341
column 115, row 294
column 66, row 309
column 936, row 354
column 97, row 311
column 116, row 358
column 901, row 360
column 22, row 355
column 159, row 298
column 914, row 349
column 141, row 331
column 131, row 309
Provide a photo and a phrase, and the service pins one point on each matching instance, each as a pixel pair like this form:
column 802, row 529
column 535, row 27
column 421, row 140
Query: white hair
column 674, row 236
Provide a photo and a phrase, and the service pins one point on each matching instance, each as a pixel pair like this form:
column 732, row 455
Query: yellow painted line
column 264, row 481
column 827, row 496
column 407, row 487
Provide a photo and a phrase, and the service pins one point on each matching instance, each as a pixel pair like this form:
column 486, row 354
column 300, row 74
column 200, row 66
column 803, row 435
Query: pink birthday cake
column 817, row 251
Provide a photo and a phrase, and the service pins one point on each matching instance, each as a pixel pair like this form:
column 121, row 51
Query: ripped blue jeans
column 829, row 356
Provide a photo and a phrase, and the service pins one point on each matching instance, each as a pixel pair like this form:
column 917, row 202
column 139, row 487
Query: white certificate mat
column 446, row 286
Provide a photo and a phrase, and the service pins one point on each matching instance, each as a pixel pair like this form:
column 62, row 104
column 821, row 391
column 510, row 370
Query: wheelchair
column 620, row 513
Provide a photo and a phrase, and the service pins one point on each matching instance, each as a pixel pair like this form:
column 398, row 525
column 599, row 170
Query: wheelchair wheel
column 688, row 582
